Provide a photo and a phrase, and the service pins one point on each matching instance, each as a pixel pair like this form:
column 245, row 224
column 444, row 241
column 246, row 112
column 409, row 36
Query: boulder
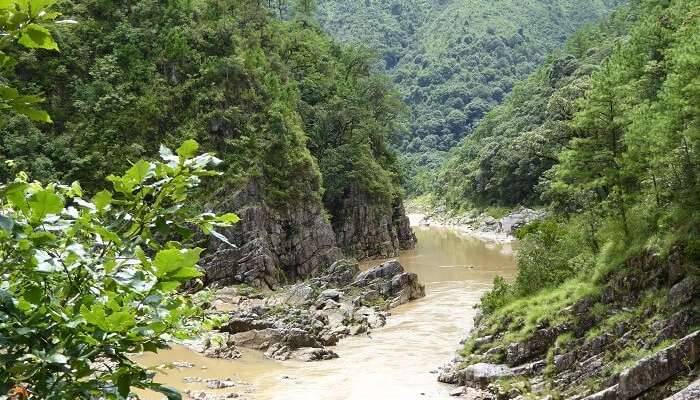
column 218, row 345
column 313, row 354
column 452, row 373
column 534, row 346
column 258, row 339
column 332, row 294
column 684, row 291
column 340, row 273
column 481, row 374
column 386, row 270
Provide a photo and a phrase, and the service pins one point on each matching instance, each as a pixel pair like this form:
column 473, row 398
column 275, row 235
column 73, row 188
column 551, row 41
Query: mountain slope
column 235, row 77
column 454, row 60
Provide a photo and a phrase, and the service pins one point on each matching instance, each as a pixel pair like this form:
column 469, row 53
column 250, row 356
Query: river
column 397, row 362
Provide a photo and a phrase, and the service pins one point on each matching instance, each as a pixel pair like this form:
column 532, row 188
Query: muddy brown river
column 396, row 362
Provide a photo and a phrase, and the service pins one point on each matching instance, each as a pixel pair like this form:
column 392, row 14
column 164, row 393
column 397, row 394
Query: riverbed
column 396, row 362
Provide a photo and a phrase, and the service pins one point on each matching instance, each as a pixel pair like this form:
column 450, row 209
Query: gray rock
column 220, row 345
column 387, row 270
column 534, row 346
column 293, row 240
column 657, row 368
column 201, row 395
column 481, row 374
column 313, row 354
column 691, row 392
column 330, row 294
column 340, row 273
column 452, row 373
column 258, row 339
column 365, row 227
column 220, row 383
column 684, row 291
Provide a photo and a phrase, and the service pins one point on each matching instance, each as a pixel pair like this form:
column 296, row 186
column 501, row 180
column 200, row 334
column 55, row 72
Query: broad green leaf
column 169, row 263
column 188, row 149
column 102, row 199
column 120, row 321
column 34, row 295
column 37, row 6
column 133, row 177
column 76, row 189
column 107, row 235
column 57, row 358
column 16, row 194
column 229, row 218
column 37, row 37
column 95, row 315
column 33, row 113
column 43, row 203
column 6, row 62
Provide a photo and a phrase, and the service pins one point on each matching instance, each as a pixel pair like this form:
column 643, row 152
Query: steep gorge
column 277, row 100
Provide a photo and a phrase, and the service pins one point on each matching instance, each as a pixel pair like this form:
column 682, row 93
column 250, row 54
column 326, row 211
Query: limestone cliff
column 274, row 244
column 367, row 227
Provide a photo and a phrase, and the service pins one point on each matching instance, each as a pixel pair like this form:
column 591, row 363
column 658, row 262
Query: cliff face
column 274, row 245
column 369, row 228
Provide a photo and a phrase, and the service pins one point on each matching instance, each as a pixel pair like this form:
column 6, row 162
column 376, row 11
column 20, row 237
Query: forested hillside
column 607, row 137
column 453, row 61
column 292, row 114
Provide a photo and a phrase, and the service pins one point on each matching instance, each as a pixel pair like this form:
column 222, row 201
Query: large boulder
column 387, row 270
column 480, row 375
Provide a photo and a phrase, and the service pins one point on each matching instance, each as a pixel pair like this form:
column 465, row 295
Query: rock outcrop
column 272, row 244
column 276, row 244
column 636, row 338
column 301, row 321
column 366, row 227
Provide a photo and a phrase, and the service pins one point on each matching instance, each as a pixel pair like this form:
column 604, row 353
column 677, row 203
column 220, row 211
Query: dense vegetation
column 87, row 282
column 259, row 90
column 502, row 162
column 453, row 61
column 615, row 155
column 90, row 276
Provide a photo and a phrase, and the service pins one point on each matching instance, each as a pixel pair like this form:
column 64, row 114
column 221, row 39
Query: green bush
column 86, row 282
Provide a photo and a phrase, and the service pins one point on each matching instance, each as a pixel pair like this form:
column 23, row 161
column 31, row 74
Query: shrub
column 86, row 283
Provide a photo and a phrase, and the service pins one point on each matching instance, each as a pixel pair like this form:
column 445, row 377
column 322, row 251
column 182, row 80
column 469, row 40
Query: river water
column 397, row 362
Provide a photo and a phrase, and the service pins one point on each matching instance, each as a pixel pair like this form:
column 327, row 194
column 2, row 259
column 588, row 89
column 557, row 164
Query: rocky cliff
column 367, row 227
column 273, row 244
column 276, row 244
column 637, row 338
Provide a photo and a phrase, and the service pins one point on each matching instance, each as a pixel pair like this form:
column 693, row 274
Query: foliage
column 88, row 281
column 276, row 98
column 626, row 181
column 519, row 141
column 24, row 23
column 454, row 60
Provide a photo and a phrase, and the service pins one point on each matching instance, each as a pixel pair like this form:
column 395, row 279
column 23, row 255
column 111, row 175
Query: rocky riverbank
column 477, row 224
column 305, row 320
column 635, row 338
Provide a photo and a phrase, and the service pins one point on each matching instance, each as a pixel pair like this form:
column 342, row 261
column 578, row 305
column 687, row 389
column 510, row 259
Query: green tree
column 23, row 23
column 88, row 281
